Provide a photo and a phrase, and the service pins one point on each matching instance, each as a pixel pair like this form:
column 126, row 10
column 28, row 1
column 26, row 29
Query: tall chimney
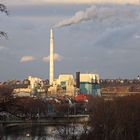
column 51, row 57
column 77, row 79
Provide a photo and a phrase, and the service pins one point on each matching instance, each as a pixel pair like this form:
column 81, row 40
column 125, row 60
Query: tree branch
column 3, row 34
column 3, row 8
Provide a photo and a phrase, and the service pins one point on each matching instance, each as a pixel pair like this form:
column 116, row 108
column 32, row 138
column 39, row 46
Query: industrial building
column 34, row 87
column 64, row 85
column 67, row 85
column 89, row 84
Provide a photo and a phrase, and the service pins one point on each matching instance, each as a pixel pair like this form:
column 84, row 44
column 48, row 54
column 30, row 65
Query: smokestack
column 51, row 57
column 77, row 79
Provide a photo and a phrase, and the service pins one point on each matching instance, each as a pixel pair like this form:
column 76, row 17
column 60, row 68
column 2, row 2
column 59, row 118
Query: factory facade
column 66, row 84
column 89, row 84
column 35, row 87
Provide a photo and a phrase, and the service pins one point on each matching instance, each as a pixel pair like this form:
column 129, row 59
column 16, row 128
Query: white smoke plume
column 106, row 13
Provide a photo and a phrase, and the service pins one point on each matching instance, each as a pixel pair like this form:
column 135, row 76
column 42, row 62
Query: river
column 43, row 132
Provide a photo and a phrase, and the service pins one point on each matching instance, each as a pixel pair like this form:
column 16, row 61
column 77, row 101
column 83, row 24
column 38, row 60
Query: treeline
column 25, row 107
column 118, row 119
column 5, row 94
column 5, row 90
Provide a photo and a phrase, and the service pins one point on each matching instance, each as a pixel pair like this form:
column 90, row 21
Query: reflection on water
column 40, row 132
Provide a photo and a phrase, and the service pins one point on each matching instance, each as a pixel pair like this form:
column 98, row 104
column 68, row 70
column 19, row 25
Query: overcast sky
column 103, row 38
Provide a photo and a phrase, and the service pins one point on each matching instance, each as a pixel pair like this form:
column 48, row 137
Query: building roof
column 65, row 77
column 86, row 77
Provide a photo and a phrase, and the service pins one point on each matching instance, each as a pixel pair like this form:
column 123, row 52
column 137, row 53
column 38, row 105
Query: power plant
column 66, row 83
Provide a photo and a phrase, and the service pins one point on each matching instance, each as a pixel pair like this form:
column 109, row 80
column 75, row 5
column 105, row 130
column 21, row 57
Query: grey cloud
column 45, row 10
column 2, row 48
column 137, row 36
column 28, row 17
